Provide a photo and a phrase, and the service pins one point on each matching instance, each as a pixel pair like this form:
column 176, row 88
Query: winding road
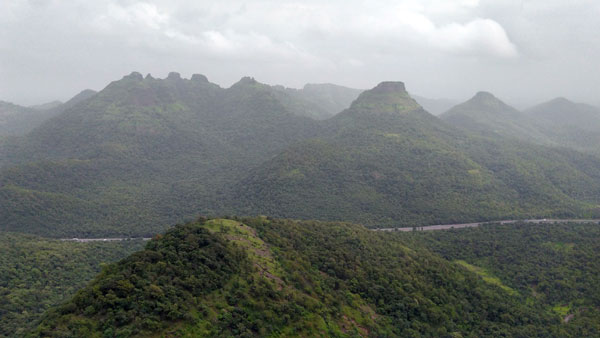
column 472, row 225
column 419, row 228
column 113, row 239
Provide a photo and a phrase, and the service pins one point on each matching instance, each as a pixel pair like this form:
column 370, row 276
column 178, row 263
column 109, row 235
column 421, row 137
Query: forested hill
column 262, row 277
column 386, row 161
column 38, row 273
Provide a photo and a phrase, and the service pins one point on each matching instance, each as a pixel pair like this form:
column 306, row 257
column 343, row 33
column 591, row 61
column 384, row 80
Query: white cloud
column 356, row 42
column 477, row 36
column 141, row 15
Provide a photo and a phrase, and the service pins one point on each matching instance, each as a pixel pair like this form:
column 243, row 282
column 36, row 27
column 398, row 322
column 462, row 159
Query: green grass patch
column 486, row 276
column 560, row 247
column 562, row 310
column 246, row 237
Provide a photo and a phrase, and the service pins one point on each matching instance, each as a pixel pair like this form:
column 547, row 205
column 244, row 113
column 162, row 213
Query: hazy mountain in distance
column 268, row 277
column 386, row 161
column 46, row 106
column 434, row 106
column 569, row 124
column 486, row 114
column 559, row 122
column 17, row 120
column 321, row 101
column 561, row 111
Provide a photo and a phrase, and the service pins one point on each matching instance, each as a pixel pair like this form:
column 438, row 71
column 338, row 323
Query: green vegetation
column 486, row 276
column 267, row 277
column 38, row 273
column 552, row 267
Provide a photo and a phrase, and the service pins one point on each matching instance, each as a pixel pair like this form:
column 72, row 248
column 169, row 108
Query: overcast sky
column 523, row 51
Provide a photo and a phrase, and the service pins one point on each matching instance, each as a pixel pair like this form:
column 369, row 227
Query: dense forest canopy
column 555, row 266
column 38, row 273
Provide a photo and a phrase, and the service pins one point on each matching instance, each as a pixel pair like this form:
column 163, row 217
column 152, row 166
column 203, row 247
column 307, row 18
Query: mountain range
column 144, row 152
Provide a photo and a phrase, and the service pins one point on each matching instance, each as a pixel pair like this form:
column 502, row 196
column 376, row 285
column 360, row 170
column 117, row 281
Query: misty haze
column 299, row 169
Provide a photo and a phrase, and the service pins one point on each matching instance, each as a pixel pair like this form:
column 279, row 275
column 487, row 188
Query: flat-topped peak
column 386, row 97
column 174, row 76
column 390, row 87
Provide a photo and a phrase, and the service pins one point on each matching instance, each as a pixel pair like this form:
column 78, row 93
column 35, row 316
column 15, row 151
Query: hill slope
column 259, row 277
column 386, row 161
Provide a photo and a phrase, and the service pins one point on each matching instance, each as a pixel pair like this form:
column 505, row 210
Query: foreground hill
column 386, row 161
column 38, row 273
column 261, row 277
